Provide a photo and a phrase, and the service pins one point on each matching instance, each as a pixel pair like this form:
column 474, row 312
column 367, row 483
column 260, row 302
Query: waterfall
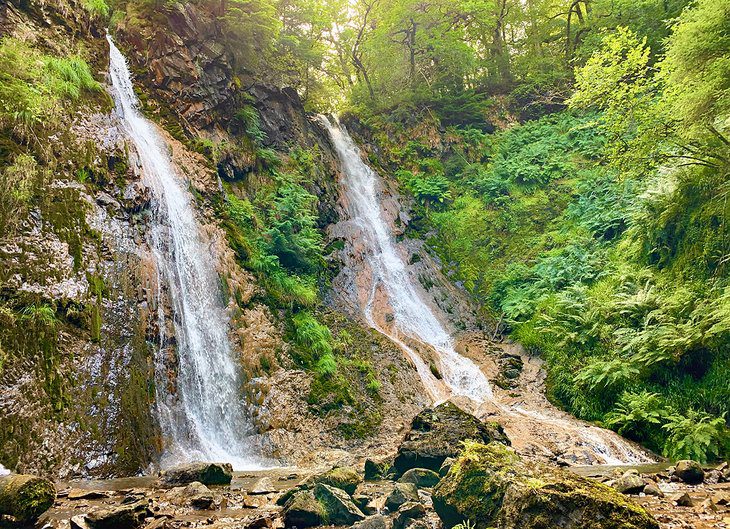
column 411, row 313
column 205, row 418
column 415, row 321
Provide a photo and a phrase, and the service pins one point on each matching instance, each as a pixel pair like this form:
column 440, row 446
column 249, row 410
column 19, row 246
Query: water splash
column 205, row 418
column 412, row 315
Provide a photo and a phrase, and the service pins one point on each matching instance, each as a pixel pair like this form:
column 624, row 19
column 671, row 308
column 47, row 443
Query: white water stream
column 414, row 319
column 205, row 418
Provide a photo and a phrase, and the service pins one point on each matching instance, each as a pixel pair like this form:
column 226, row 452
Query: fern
column 696, row 436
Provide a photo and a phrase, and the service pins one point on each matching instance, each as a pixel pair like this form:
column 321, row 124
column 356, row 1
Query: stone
column 420, row 477
column 407, row 512
column 651, row 489
column 205, row 473
column 198, row 495
column 629, row 483
column 721, row 497
column 402, row 493
column 445, row 466
column 377, row 521
column 263, row 486
column 682, row 499
column 303, row 510
column 79, row 522
column 689, row 471
column 84, row 494
column 375, row 470
column 128, row 516
column 25, row 497
column 491, row 486
column 338, row 506
column 437, row 433
column 345, row 478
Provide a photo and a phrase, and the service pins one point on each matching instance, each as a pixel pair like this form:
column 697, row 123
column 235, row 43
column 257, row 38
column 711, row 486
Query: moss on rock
column 491, row 486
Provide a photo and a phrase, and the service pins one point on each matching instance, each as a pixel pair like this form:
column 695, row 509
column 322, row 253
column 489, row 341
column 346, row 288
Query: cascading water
column 412, row 315
column 205, row 419
column 414, row 320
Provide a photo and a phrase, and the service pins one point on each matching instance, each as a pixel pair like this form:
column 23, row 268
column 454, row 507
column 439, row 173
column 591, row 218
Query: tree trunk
column 25, row 497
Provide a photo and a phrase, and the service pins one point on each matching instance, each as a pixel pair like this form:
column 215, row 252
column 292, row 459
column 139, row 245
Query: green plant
column 696, row 436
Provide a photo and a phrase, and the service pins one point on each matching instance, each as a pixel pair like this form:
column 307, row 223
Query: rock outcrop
column 437, row 433
column 24, row 498
column 491, row 486
column 205, row 473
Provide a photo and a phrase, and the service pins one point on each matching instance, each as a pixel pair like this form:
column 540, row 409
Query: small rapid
column 205, row 417
column 413, row 317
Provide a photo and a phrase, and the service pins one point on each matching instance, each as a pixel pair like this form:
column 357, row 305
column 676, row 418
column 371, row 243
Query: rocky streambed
column 449, row 469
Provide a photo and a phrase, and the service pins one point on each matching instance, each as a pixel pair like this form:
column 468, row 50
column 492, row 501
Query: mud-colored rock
column 377, row 521
column 491, row 486
column 682, row 499
column 303, row 510
column 420, row 477
column 689, row 471
column 198, row 495
column 263, row 486
column 205, row 473
column 402, row 493
column 119, row 517
column 25, row 497
column 345, row 478
column 651, row 489
column 407, row 512
column 338, row 506
column 437, row 433
column 630, row 483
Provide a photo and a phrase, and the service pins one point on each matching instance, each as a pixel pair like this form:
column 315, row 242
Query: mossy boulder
column 491, row 486
column 377, row 469
column 437, row 433
column 338, row 505
column 25, row 497
column 345, row 478
column 401, row 493
column 303, row 510
column 420, row 477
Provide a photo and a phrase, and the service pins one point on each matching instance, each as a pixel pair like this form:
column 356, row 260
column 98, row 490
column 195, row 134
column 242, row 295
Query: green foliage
column 696, row 436
column 429, row 189
column 314, row 343
column 97, row 8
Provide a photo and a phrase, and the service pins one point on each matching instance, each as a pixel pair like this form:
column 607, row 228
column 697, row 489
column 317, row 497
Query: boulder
column 205, row 473
column 682, row 499
column 375, row 470
column 345, row 478
column 630, row 483
column 377, row 521
column 198, row 495
column 689, row 471
column 402, row 493
column 491, row 486
column 128, row 516
column 651, row 489
column 303, row 510
column 407, row 512
column 25, row 497
column 420, row 477
column 437, row 433
column 338, row 506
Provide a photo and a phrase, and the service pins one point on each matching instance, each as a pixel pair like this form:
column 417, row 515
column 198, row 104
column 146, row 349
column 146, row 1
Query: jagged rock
column 377, row 521
column 629, row 483
column 25, row 497
column 79, row 522
column 402, row 493
column 119, row 517
column 375, row 470
column 437, row 433
column 651, row 489
column 445, row 466
column 83, row 494
column 303, row 510
column 407, row 512
column 345, row 478
column 491, row 486
column 198, row 495
column 682, row 499
column 420, row 477
column 689, row 471
column 338, row 506
column 363, row 503
column 205, row 473
column 263, row 486
column 721, row 497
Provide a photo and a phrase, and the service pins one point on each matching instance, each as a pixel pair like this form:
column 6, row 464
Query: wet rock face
column 437, row 434
column 491, row 486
